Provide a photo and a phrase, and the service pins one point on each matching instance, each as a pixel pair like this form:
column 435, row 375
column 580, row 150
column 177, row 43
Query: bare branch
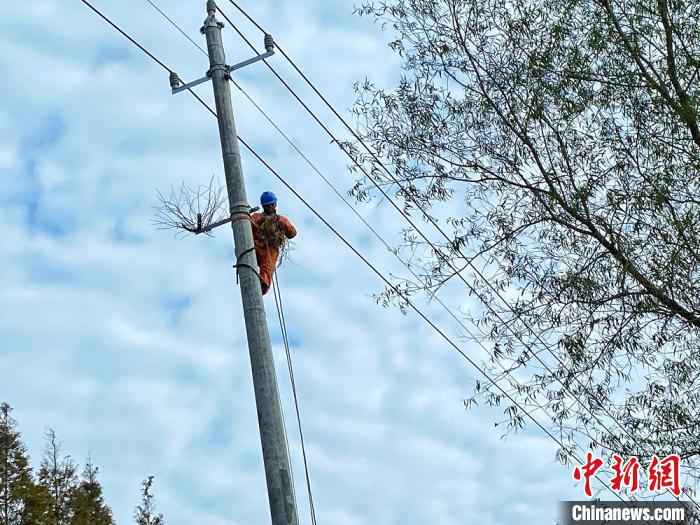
column 192, row 211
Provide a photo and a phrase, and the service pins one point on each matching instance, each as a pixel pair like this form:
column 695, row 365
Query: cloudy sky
column 130, row 343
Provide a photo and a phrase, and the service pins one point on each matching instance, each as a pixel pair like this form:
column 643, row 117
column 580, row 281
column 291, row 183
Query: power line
column 174, row 24
column 371, row 228
column 437, row 250
column 370, row 265
column 148, row 53
column 99, row 13
column 336, row 191
column 340, row 236
column 401, row 212
column 277, row 293
column 410, row 303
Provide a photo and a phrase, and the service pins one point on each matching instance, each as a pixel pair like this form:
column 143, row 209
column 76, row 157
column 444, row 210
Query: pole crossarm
column 178, row 86
column 250, row 61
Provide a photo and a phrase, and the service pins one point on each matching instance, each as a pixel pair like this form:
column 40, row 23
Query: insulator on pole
column 174, row 80
column 269, row 43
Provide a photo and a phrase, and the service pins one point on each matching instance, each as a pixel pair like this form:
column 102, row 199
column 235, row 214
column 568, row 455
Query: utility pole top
column 178, row 86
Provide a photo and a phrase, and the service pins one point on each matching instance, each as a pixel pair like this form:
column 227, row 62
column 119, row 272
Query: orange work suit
column 267, row 255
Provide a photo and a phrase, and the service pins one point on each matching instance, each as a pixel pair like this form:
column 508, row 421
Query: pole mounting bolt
column 269, row 43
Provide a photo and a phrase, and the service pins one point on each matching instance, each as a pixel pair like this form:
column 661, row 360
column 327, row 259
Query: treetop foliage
column 56, row 494
column 566, row 133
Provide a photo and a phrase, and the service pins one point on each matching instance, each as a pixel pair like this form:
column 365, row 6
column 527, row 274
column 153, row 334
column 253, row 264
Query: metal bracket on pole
column 201, row 228
column 269, row 47
column 177, row 86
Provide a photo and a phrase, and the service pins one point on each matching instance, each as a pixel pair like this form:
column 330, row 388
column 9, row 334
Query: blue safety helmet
column 268, row 198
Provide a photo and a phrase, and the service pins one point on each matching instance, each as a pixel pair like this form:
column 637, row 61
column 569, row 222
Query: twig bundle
column 272, row 235
column 271, row 232
column 191, row 211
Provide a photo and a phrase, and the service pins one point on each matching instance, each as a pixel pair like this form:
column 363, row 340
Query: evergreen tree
column 87, row 503
column 36, row 511
column 15, row 473
column 57, row 475
column 56, row 496
column 145, row 513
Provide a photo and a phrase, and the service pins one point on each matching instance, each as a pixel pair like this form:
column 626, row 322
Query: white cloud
column 8, row 157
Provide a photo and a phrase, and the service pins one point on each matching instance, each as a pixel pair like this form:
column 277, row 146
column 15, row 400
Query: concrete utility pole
column 279, row 483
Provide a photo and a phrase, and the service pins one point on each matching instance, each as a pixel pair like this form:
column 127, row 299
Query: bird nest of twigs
column 192, row 210
column 271, row 232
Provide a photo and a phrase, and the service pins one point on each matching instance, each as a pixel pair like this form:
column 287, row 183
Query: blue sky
column 130, row 342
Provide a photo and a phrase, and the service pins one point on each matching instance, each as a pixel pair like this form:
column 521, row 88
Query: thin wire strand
column 99, row 13
column 283, row 329
column 285, row 337
column 146, row 51
column 437, row 250
column 176, row 26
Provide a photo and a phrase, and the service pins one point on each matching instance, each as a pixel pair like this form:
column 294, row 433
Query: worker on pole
column 270, row 233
